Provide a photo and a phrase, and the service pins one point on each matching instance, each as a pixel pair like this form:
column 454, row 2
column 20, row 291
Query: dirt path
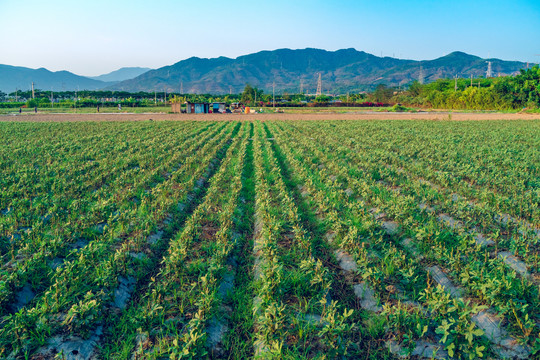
column 268, row 116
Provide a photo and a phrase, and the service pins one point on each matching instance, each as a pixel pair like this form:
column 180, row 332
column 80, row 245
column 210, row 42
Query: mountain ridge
column 341, row 70
column 124, row 73
column 21, row 78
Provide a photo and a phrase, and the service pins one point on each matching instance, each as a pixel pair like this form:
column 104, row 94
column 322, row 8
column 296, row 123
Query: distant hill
column 15, row 77
column 342, row 70
column 122, row 74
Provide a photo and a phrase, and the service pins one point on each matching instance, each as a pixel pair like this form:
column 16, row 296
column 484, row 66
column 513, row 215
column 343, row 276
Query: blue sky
column 96, row 37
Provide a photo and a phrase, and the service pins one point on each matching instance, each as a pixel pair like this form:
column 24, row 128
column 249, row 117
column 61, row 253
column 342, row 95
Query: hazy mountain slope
column 342, row 70
column 122, row 74
column 15, row 77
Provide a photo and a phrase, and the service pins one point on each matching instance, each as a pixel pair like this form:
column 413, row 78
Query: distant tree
column 2, row 96
column 415, row 88
column 248, row 95
column 44, row 101
column 174, row 99
column 32, row 103
column 251, row 94
column 322, row 99
column 382, row 93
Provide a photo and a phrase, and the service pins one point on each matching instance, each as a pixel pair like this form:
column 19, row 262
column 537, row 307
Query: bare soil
column 438, row 116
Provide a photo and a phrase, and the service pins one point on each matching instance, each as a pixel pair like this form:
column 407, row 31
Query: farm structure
column 176, row 108
column 197, row 108
column 270, row 240
column 219, row 107
column 200, row 108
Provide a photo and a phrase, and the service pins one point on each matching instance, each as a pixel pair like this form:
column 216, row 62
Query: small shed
column 197, row 108
column 218, row 107
column 176, row 108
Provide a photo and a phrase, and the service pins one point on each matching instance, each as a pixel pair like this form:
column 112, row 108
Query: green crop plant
column 274, row 239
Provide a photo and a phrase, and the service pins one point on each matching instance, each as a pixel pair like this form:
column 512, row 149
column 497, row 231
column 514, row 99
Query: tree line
column 500, row 93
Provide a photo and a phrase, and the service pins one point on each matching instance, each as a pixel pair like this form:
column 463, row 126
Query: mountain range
column 21, row 78
column 124, row 73
column 284, row 70
column 292, row 70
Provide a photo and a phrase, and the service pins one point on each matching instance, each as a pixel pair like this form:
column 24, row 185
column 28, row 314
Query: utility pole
column 274, row 94
column 488, row 72
column 230, row 90
column 33, row 90
column 155, row 97
column 455, row 83
column 182, row 87
column 301, row 86
column 471, row 80
column 16, row 95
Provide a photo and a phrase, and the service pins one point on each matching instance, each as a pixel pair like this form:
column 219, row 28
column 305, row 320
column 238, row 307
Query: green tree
column 415, row 88
column 248, row 95
column 251, row 94
column 32, row 103
column 322, row 99
column 382, row 93
column 44, row 102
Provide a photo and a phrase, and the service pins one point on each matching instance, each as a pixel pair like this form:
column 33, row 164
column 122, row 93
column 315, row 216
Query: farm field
column 270, row 239
column 268, row 116
column 86, row 110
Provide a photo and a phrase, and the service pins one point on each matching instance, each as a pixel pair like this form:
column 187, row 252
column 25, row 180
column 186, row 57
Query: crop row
column 82, row 288
column 270, row 240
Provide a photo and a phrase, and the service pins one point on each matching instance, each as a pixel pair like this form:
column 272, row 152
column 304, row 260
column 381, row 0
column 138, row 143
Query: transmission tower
column 488, row 72
column 319, row 86
column 421, row 75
